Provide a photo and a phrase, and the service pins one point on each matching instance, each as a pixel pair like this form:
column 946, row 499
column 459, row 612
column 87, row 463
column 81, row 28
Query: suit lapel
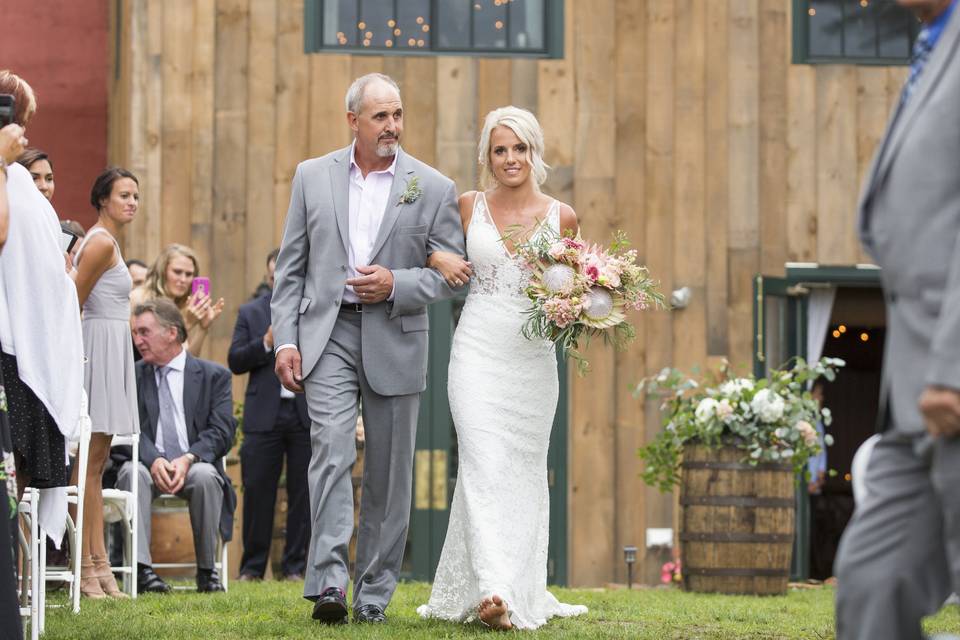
column 401, row 178
column 340, row 188
column 148, row 387
column 192, row 381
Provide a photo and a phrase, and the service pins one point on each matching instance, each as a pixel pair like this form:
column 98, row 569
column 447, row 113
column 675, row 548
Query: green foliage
column 771, row 420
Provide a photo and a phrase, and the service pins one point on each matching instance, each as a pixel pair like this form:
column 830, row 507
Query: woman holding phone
column 172, row 276
column 103, row 289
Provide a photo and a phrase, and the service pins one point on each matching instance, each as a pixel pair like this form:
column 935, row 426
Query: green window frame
column 801, row 36
column 552, row 28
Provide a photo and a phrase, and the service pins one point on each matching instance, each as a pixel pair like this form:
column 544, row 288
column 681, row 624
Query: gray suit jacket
column 312, row 268
column 910, row 223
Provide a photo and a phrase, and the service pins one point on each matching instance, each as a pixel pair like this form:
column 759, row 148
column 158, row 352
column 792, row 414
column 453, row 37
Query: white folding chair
column 125, row 502
column 35, row 548
column 222, row 566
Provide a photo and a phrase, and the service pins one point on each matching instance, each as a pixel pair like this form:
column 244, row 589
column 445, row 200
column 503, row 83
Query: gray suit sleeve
column 944, row 367
column 291, row 269
column 418, row 287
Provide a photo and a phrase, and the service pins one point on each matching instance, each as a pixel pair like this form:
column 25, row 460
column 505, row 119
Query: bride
column 503, row 393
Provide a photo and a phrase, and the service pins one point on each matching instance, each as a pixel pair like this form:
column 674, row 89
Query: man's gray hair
column 355, row 93
column 166, row 313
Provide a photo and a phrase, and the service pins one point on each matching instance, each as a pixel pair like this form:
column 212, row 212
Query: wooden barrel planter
column 736, row 523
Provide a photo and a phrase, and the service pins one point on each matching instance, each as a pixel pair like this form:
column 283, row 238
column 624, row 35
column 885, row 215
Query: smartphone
column 67, row 240
column 200, row 284
column 8, row 108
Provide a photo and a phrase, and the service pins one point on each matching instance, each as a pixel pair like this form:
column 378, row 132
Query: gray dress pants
column 333, row 390
column 202, row 489
column 899, row 558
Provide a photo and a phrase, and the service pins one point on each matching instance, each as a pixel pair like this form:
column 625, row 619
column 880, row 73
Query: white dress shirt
column 175, row 382
column 367, row 204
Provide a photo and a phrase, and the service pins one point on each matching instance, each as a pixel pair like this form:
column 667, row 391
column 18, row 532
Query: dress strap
column 94, row 231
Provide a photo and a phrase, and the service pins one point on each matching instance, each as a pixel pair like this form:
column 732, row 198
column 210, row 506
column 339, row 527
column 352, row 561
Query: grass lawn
column 276, row 610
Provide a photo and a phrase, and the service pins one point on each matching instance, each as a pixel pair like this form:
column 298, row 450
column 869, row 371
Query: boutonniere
column 413, row 191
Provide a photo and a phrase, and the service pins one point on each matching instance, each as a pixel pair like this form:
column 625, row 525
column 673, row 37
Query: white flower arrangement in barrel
column 581, row 290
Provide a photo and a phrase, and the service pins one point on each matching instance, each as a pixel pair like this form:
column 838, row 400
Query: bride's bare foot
column 493, row 613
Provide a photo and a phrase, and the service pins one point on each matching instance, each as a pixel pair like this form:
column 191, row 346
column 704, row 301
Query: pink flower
column 592, row 271
column 808, row 432
column 562, row 311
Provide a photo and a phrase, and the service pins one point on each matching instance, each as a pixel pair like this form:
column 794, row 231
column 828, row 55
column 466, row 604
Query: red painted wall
column 61, row 48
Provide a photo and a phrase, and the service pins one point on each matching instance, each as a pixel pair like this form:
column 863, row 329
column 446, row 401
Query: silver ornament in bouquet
column 581, row 290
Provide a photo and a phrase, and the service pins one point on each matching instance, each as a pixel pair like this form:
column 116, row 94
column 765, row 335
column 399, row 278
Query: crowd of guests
column 86, row 332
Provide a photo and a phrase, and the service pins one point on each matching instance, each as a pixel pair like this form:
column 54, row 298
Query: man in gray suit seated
column 186, row 428
column 900, row 555
column 349, row 315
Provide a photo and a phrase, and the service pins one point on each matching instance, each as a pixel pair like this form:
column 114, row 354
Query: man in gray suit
column 900, row 556
column 350, row 321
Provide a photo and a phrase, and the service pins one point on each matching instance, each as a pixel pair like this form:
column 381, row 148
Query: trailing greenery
column 277, row 610
column 772, row 420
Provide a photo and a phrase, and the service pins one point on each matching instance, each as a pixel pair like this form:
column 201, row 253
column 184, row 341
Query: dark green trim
column 557, row 465
column 864, row 276
column 553, row 26
column 800, row 41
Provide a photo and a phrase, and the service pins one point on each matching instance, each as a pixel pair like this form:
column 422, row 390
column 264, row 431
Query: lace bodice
column 497, row 272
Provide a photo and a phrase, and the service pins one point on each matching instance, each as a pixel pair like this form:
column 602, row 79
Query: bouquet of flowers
column 771, row 420
column 583, row 290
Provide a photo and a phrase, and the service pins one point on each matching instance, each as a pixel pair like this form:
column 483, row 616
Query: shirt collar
column 178, row 363
column 935, row 28
column 392, row 169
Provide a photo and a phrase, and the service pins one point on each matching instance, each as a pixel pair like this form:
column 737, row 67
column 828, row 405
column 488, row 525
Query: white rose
column 706, row 410
column 767, row 405
column 739, row 385
column 724, row 410
column 808, row 432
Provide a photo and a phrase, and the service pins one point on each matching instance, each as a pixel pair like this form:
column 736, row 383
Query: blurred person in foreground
column 171, row 276
column 899, row 558
column 186, row 418
column 275, row 425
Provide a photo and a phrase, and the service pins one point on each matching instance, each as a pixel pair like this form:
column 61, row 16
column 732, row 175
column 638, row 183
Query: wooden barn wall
column 680, row 121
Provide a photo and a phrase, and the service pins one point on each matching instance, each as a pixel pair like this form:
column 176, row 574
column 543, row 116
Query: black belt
column 352, row 307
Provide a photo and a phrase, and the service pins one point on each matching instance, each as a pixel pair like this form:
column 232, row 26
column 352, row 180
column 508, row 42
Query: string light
column 842, row 328
column 368, row 35
column 420, row 43
column 498, row 24
column 836, row 334
column 366, row 43
column 864, row 336
column 361, row 25
column 811, row 11
column 389, row 43
column 425, row 28
column 419, row 19
column 391, row 23
column 411, row 42
column 397, row 32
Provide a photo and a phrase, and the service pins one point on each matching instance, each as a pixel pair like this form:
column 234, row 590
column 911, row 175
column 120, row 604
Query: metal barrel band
column 735, row 466
column 737, row 573
column 736, row 537
column 736, row 501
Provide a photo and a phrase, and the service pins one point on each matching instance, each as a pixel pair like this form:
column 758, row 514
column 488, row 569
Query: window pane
column 826, row 28
column 413, row 22
column 373, row 29
column 894, row 30
column 452, row 23
column 340, row 23
column 490, row 24
column 526, row 24
column 859, row 29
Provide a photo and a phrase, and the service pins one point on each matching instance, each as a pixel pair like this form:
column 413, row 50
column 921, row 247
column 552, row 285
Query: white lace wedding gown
column 503, row 394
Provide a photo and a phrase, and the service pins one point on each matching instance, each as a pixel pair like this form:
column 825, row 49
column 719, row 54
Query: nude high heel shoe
column 89, row 582
column 105, row 576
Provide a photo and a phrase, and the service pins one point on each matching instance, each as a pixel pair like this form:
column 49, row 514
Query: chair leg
column 42, row 595
column 35, row 575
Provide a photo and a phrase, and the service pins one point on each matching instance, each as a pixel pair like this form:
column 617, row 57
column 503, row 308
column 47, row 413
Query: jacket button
column 343, row 267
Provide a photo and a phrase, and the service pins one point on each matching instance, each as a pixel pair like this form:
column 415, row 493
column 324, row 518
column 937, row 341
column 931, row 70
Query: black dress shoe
column 331, row 606
column 208, row 581
column 149, row 582
column 369, row 613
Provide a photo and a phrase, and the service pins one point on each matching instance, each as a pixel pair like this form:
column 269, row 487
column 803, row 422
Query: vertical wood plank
column 837, row 178
column 523, row 84
column 154, row 121
column 717, row 181
column 230, row 171
column 744, row 159
column 872, row 115
column 177, row 106
column 773, row 52
column 802, row 163
column 457, row 120
column 330, row 77
column 261, row 138
column 630, row 191
column 493, row 86
column 556, row 111
column 593, row 473
column 420, row 108
column 201, row 130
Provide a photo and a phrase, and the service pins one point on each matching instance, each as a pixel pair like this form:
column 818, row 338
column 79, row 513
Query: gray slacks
column 899, row 558
column 202, row 489
column 333, row 390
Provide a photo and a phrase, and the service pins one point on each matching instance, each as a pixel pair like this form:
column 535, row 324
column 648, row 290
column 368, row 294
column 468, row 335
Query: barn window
column 531, row 28
column 852, row 32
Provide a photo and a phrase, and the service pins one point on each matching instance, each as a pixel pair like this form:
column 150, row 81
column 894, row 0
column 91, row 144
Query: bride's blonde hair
column 525, row 125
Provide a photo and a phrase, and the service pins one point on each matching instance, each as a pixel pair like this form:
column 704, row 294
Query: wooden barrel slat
column 737, row 523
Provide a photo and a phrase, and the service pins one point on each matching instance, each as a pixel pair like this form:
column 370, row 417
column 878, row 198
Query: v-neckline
column 496, row 227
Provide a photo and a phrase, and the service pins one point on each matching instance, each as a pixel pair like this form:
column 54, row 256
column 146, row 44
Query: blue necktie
column 918, row 58
column 168, row 425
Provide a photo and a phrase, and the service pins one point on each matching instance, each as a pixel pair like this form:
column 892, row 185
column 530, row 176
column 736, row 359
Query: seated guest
column 186, row 428
column 275, row 423
column 138, row 271
column 40, row 166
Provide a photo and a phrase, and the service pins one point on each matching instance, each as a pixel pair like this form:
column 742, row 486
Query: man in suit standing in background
column 900, row 555
column 186, row 428
column 275, row 424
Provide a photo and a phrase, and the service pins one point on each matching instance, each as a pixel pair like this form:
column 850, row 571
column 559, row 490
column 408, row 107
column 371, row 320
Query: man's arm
column 247, row 351
column 291, row 270
column 216, row 438
column 418, row 287
column 940, row 402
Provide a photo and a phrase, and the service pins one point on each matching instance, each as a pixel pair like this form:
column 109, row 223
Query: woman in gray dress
column 103, row 287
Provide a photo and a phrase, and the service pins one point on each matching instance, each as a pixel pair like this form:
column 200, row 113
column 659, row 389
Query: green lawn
column 276, row 610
